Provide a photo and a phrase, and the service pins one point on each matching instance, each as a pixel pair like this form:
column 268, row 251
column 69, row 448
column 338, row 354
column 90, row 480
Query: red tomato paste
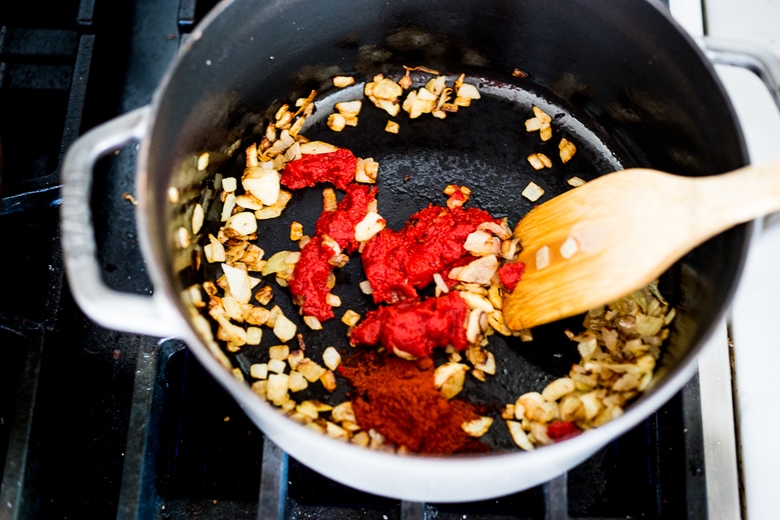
column 309, row 283
column 340, row 224
column 456, row 198
column 337, row 167
column 416, row 327
column 560, row 430
column 510, row 274
column 397, row 263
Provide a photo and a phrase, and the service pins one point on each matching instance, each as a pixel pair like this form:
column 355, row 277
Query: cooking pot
column 620, row 75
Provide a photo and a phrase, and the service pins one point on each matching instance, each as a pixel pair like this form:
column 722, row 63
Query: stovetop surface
column 754, row 311
column 100, row 424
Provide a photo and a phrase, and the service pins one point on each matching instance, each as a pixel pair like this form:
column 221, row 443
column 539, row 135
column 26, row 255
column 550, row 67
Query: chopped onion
column 542, row 258
column 569, row 248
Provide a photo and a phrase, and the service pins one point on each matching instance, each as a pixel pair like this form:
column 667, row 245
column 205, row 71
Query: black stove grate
column 44, row 65
column 100, row 424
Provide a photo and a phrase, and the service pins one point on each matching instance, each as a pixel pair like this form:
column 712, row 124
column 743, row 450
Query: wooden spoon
column 599, row 242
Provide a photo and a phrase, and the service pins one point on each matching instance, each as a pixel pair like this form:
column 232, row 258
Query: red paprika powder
column 397, row 398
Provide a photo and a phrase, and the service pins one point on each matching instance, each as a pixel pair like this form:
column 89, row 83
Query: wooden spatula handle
column 737, row 197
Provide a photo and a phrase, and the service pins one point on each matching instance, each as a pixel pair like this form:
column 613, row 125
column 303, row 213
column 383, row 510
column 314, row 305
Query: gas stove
column 100, row 424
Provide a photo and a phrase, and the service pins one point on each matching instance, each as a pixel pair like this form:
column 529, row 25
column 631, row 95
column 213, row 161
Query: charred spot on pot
column 573, row 89
column 407, row 40
column 348, row 41
column 313, row 77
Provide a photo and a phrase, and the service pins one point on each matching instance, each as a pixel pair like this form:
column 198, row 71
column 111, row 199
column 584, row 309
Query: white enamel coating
column 153, row 315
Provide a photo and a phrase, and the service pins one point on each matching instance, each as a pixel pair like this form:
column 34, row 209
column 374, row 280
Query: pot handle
column 759, row 60
column 144, row 314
